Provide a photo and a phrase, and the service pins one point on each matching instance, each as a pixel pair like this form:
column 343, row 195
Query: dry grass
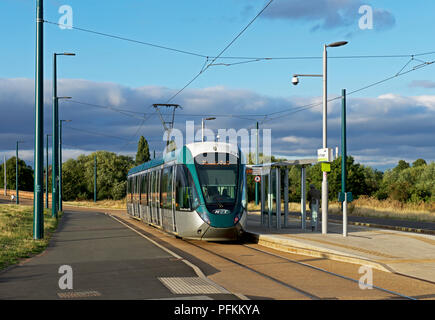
column 369, row 207
column 104, row 204
column 16, row 233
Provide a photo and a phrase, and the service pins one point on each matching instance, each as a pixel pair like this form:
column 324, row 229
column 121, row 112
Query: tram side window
column 166, row 188
column 143, row 190
column 129, row 190
column 139, row 188
column 135, row 188
column 185, row 192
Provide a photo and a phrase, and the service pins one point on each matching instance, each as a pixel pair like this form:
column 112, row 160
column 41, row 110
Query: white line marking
column 197, row 270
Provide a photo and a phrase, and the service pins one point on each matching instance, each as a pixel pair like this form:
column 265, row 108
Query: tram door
column 135, row 197
column 153, row 197
column 158, row 206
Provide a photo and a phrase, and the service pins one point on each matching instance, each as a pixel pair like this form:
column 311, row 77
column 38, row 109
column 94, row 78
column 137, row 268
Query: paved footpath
column 406, row 253
column 108, row 261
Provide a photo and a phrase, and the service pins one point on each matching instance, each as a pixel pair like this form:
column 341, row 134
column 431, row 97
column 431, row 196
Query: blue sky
column 392, row 120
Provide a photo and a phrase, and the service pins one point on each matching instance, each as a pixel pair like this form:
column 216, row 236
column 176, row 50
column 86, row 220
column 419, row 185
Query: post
column 262, row 198
column 269, row 198
column 325, row 175
column 17, row 201
column 303, row 199
column 95, row 178
column 278, row 198
column 6, row 181
column 286, row 197
column 38, row 196
column 256, row 162
column 202, row 130
column 46, row 173
column 60, row 165
column 54, row 149
column 343, row 160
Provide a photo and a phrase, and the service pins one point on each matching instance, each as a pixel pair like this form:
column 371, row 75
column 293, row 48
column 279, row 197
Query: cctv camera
column 295, row 80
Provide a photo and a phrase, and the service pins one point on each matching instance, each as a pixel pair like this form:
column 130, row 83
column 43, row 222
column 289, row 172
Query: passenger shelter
column 270, row 190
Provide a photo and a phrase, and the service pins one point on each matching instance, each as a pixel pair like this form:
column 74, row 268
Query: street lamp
column 17, row 201
column 55, row 142
column 202, row 127
column 46, row 173
column 60, row 162
column 295, row 81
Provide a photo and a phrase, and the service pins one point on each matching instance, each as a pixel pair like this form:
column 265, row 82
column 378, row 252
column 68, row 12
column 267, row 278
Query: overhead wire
column 313, row 105
column 222, row 51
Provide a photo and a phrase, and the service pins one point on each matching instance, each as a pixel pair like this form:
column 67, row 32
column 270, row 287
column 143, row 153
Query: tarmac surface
column 108, row 261
column 113, row 256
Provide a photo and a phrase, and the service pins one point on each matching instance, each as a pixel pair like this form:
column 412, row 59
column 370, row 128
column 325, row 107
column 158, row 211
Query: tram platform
column 393, row 251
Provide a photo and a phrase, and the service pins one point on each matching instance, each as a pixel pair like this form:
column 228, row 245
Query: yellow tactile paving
column 419, row 238
column 408, row 261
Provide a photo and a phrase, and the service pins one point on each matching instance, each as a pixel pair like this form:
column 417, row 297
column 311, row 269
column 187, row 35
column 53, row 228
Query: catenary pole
column 38, row 195
column 95, row 178
column 54, row 149
column 17, row 201
column 256, row 162
column 5, row 179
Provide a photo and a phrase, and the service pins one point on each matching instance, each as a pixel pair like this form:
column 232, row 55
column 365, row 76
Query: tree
column 25, row 175
column 78, row 176
column 402, row 165
column 143, row 152
column 418, row 163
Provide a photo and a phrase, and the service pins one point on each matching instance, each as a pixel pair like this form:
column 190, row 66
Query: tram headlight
column 204, row 216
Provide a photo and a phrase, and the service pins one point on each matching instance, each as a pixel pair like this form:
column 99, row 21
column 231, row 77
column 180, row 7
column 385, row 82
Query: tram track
column 218, row 250
column 301, row 291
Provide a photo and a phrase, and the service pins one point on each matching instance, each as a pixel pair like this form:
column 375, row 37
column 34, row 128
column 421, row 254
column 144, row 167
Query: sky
column 113, row 82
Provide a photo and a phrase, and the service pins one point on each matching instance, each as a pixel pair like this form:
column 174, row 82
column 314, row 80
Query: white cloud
column 387, row 125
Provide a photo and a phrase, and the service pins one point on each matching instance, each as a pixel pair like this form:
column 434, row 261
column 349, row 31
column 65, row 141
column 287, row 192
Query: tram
column 196, row 192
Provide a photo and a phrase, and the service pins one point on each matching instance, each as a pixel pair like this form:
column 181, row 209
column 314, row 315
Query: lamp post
column 46, row 173
column 17, row 201
column 203, row 124
column 295, row 81
column 60, row 161
column 38, row 196
column 55, row 142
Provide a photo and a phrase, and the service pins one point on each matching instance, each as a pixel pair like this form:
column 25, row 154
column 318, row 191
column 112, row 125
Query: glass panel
column 166, row 188
column 186, row 197
column 218, row 179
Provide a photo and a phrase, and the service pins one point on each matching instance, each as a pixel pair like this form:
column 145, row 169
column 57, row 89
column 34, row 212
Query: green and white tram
column 196, row 192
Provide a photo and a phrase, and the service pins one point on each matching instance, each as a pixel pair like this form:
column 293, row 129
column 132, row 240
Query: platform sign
column 324, row 155
column 341, row 197
column 326, row 167
column 257, row 179
column 260, row 171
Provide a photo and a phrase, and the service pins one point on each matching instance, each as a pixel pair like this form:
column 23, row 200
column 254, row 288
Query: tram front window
column 218, row 176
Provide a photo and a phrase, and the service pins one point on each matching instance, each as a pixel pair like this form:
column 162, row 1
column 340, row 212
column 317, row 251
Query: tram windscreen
column 218, row 176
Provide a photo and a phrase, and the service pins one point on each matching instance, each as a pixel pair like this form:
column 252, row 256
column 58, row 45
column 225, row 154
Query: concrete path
column 108, row 261
column 393, row 251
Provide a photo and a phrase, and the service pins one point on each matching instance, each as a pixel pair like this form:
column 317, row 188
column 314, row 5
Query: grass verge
column 16, row 233
column 107, row 204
